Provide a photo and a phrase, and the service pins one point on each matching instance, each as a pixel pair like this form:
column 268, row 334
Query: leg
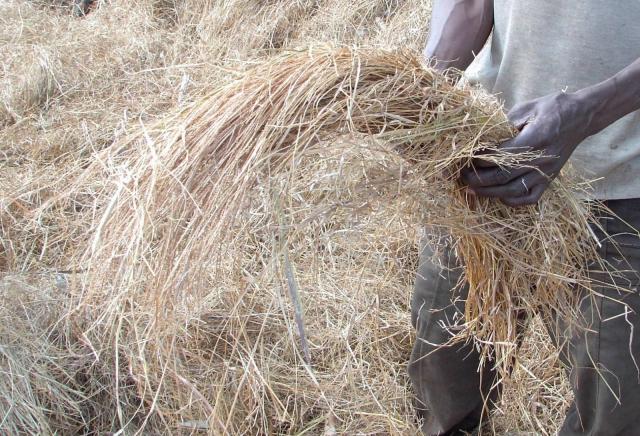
column 445, row 379
column 603, row 360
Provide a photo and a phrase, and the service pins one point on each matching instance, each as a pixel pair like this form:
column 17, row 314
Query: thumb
column 520, row 115
column 522, row 142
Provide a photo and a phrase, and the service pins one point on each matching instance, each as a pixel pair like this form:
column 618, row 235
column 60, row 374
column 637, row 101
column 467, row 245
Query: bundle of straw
column 176, row 203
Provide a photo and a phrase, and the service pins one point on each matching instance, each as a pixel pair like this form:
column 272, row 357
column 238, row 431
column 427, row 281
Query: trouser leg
column 603, row 359
column 451, row 393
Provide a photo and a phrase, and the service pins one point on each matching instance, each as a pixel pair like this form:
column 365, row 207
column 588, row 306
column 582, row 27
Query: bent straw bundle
column 177, row 202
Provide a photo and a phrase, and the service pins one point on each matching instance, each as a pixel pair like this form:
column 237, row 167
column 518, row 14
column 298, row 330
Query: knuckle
column 516, row 189
column 495, row 178
column 511, row 202
column 534, row 199
column 502, row 176
column 464, row 177
column 468, row 178
column 519, row 110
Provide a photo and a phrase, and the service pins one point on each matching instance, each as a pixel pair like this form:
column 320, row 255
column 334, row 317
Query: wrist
column 594, row 102
column 612, row 99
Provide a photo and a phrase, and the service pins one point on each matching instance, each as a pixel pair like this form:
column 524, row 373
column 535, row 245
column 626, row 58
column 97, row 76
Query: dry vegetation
column 219, row 352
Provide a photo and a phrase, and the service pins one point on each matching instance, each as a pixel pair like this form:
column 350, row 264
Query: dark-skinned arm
column 554, row 125
column 459, row 30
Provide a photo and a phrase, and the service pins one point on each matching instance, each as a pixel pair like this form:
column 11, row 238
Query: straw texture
column 177, row 200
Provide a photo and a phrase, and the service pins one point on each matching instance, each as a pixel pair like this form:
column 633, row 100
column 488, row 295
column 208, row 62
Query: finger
column 520, row 123
column 487, row 162
column 486, row 159
column 532, row 198
column 494, row 176
column 524, row 142
column 520, row 115
column 516, row 188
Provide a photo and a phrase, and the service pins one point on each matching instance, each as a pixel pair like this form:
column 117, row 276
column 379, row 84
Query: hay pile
column 181, row 188
column 203, row 224
column 181, row 253
column 70, row 86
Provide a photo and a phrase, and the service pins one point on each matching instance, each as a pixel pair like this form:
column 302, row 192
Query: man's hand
column 552, row 126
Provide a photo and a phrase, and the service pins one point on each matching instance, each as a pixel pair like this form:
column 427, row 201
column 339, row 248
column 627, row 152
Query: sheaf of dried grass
column 177, row 197
column 342, row 219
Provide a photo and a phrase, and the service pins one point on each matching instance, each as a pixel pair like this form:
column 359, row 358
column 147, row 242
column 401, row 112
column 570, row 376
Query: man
column 570, row 73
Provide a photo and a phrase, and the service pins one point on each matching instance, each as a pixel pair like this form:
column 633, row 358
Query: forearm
column 459, row 30
column 613, row 98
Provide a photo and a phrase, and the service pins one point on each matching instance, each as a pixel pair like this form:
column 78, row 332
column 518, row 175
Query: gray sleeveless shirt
column 543, row 46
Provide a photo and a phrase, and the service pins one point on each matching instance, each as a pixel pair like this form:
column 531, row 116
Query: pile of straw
column 178, row 191
column 343, row 220
column 224, row 285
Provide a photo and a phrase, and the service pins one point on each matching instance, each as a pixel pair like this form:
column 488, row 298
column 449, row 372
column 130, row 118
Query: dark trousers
column 601, row 360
